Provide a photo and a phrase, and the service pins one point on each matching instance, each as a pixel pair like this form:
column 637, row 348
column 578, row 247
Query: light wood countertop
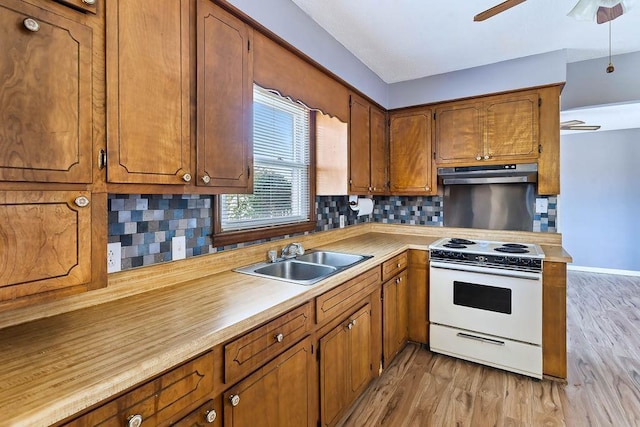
column 57, row 366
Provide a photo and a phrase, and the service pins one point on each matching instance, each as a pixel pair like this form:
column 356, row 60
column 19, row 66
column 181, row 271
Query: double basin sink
column 305, row 269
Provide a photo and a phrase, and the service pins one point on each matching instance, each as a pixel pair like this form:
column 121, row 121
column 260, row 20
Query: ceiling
column 408, row 39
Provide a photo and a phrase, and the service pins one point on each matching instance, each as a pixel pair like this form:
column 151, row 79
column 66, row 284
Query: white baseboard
column 604, row 270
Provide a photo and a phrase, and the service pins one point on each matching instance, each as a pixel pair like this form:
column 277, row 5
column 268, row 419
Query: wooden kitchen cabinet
column 554, row 319
column 46, row 96
column 345, row 363
column 148, row 98
column 490, row 129
column 367, row 148
column 248, row 352
column 410, row 153
column 224, row 100
column 162, row 401
column 395, row 317
column 46, row 246
column 418, row 296
column 281, row 393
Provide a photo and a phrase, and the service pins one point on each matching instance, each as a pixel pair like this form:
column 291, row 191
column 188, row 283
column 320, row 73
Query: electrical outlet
column 542, row 205
column 178, row 248
column 114, row 257
column 342, row 221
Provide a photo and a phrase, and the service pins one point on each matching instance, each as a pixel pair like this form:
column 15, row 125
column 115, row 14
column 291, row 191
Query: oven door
column 497, row 302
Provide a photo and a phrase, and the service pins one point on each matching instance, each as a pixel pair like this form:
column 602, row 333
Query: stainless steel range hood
column 489, row 174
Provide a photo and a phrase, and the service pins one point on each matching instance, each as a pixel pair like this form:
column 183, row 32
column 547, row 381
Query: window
column 281, row 173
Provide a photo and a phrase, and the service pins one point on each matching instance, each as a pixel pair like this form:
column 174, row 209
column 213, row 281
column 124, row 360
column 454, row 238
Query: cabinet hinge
column 371, row 366
column 248, row 45
column 434, row 155
column 539, row 148
column 318, row 353
column 539, row 102
column 248, row 171
column 434, row 116
column 102, row 159
column 319, row 423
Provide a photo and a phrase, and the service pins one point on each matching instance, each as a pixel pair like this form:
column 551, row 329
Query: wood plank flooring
column 421, row 388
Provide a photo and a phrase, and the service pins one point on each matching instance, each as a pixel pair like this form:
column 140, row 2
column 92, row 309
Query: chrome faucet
column 291, row 250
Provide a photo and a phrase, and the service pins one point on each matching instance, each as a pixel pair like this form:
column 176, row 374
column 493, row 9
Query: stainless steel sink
column 335, row 259
column 305, row 269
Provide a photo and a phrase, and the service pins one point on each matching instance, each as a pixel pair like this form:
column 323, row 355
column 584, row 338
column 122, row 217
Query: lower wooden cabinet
column 395, row 317
column 345, row 364
column 162, row 401
column 418, row 296
column 278, row 394
column 554, row 319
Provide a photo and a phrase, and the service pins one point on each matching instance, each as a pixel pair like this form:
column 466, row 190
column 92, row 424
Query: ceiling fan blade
column 571, row 123
column 580, row 127
column 508, row 4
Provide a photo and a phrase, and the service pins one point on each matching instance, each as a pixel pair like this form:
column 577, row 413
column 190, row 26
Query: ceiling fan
column 600, row 11
column 577, row 125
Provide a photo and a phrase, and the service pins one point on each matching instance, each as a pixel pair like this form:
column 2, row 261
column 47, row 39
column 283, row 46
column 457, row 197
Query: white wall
column 600, row 202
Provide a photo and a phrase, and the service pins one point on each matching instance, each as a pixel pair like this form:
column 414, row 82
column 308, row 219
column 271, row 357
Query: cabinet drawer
column 343, row 297
column 209, row 414
column 393, row 266
column 250, row 351
column 84, row 5
column 158, row 402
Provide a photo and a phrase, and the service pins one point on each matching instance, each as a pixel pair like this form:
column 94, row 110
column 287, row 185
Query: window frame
column 223, row 238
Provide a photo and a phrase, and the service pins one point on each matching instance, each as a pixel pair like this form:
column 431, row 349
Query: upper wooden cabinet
column 45, row 96
column 490, row 129
column 225, row 97
column 148, row 110
column 410, row 153
column 367, row 148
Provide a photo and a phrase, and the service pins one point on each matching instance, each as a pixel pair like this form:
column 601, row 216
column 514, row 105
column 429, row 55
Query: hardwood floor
column 421, row 388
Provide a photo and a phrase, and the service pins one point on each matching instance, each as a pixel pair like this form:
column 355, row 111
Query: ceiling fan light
column 587, row 10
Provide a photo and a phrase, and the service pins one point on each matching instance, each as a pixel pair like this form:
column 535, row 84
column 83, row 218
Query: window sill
column 243, row 236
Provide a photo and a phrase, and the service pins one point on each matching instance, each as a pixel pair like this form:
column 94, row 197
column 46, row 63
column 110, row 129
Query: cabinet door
column 148, row 108
column 511, row 127
column 459, row 134
column 395, row 316
column 379, row 152
column 411, row 153
column 345, row 364
column 359, row 147
column 418, row 296
column 45, row 96
column 279, row 394
column 45, row 242
column 225, row 97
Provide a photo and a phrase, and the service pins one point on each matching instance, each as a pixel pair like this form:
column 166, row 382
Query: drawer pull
column 398, row 265
column 278, row 337
column 210, row 415
column 234, row 399
column 186, row 177
column 482, row 339
column 81, row 201
column 206, row 179
column 351, row 324
column 31, row 24
column 134, row 420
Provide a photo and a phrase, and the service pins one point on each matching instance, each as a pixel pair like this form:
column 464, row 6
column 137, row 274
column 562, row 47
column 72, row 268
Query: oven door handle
column 477, row 338
column 485, row 270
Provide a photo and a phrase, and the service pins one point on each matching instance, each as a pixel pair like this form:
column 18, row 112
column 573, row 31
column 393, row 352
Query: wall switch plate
column 342, row 221
column 178, row 247
column 542, row 205
column 114, row 257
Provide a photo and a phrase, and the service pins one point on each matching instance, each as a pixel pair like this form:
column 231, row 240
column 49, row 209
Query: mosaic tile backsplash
column 145, row 224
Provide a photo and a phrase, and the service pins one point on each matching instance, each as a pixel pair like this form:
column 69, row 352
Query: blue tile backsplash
column 145, row 224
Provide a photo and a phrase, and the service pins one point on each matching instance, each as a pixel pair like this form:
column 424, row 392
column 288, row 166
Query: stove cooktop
column 485, row 247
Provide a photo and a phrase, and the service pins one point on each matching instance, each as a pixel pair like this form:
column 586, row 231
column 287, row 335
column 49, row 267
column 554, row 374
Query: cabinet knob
column 134, row 420
column 375, row 189
column 398, row 280
column 186, row 177
column 210, row 415
column 31, row 24
column 81, row 201
column 89, row 1
column 427, row 188
column 350, row 325
column 478, row 157
column 206, row 179
column 234, row 399
column 398, row 265
column 486, row 157
column 278, row 337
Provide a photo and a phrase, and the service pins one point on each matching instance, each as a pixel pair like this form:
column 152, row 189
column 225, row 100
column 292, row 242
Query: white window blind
column 281, row 167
